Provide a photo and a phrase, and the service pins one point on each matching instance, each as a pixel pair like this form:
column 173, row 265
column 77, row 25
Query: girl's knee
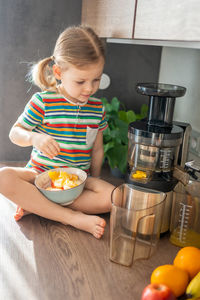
column 7, row 176
column 98, row 185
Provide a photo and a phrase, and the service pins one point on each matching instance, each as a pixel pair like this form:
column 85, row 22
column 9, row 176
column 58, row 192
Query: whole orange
column 176, row 279
column 188, row 258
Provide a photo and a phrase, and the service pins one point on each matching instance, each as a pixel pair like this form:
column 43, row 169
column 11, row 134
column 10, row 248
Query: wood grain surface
column 44, row 260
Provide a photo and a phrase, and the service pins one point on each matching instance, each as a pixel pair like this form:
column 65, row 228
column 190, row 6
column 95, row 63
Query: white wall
column 181, row 66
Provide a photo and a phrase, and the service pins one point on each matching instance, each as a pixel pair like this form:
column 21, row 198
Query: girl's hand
column 46, row 144
column 43, row 142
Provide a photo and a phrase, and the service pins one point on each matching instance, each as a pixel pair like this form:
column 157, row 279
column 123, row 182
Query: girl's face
column 78, row 84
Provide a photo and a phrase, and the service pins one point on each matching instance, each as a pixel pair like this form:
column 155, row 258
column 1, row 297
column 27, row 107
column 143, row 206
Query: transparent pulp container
column 153, row 151
column 135, row 223
column 185, row 216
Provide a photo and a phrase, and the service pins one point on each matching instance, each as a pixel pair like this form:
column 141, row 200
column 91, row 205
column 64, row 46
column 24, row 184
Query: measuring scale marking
column 165, row 158
column 184, row 214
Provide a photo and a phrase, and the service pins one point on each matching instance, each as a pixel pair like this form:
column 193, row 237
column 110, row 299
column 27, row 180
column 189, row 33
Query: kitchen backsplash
column 194, row 149
column 194, row 146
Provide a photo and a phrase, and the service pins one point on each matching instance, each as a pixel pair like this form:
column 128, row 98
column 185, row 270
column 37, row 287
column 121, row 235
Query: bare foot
column 20, row 212
column 92, row 224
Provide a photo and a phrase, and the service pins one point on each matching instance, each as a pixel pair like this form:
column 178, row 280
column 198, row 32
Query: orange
column 188, row 258
column 176, row 279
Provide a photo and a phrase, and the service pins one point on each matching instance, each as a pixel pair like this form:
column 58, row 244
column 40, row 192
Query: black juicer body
column 155, row 143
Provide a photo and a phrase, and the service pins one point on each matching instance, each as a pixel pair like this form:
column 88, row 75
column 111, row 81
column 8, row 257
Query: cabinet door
column 109, row 18
column 168, row 20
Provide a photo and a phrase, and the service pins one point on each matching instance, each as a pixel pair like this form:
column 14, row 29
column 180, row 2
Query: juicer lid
column 141, row 132
column 160, row 89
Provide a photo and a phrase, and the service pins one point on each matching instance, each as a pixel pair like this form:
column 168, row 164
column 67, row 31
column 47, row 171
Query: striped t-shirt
column 74, row 127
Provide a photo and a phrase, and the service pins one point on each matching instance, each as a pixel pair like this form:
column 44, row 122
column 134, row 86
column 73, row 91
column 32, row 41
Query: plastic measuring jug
column 185, row 215
column 135, row 223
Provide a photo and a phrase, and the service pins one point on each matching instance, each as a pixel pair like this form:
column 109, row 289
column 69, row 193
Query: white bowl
column 63, row 197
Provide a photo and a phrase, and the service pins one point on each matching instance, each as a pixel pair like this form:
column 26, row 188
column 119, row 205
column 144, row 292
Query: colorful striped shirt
column 73, row 126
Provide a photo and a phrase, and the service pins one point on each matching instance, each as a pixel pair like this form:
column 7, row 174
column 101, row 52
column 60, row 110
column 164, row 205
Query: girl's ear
column 57, row 72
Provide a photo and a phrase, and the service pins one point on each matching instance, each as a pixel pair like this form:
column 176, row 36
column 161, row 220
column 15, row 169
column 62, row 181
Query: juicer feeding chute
column 161, row 102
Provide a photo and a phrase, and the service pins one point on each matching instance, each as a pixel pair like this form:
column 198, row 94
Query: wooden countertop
column 45, row 260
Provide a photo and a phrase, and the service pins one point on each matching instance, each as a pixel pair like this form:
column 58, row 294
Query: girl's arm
column 21, row 136
column 43, row 142
column 97, row 155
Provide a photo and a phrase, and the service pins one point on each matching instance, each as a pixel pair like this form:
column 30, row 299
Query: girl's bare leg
column 96, row 197
column 17, row 185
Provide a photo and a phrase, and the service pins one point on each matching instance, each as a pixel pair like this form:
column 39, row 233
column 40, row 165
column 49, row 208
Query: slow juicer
column 157, row 144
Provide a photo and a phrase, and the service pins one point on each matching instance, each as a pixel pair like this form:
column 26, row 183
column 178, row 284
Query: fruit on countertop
column 183, row 276
column 188, row 259
column 175, row 278
column 193, row 288
column 157, row 292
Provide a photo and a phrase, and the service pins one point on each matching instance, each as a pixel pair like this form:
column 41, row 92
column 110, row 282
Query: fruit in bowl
column 62, row 180
column 61, row 185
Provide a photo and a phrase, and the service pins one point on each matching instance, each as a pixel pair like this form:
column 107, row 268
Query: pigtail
column 42, row 75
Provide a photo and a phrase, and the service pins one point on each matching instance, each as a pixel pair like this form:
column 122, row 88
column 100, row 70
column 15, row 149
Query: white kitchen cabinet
column 169, row 20
column 177, row 20
column 110, row 18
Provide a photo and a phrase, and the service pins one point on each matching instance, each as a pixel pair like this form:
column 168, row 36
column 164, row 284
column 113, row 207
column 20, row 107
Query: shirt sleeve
column 103, row 124
column 33, row 113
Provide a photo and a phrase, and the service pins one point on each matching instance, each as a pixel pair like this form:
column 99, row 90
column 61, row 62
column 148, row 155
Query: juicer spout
column 181, row 175
column 184, row 174
column 191, row 168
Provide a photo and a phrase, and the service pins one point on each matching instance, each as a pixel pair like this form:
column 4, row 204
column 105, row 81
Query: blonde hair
column 77, row 45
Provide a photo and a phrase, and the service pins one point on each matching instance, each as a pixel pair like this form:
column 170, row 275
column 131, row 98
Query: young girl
column 64, row 124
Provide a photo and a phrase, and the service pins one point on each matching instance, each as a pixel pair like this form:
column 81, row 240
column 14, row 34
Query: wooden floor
column 44, row 260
